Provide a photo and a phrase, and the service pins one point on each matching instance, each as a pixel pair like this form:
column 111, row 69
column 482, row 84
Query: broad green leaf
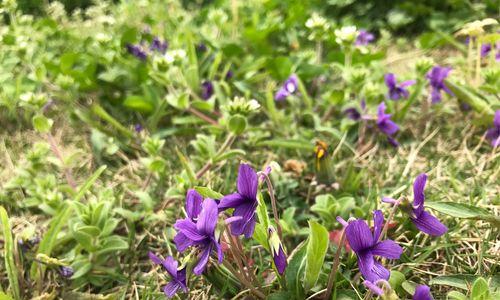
column 396, row 279
column 41, row 123
column 480, row 290
column 207, row 192
column 454, row 295
column 237, row 124
column 112, row 244
column 229, row 154
column 4, row 296
column 138, row 103
column 262, row 212
column 462, row 281
column 466, row 96
column 316, row 250
column 293, row 273
column 465, row 211
column 88, row 183
column 10, row 265
column 81, row 270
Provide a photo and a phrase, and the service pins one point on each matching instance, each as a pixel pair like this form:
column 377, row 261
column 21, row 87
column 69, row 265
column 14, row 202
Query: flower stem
column 227, row 143
column 202, row 116
column 273, row 204
column 389, row 219
column 478, row 63
column 244, row 281
column 333, row 272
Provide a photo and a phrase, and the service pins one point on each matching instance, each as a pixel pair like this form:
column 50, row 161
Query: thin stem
column 273, row 204
column 389, row 219
column 469, row 57
column 227, row 143
column 244, row 281
column 202, row 116
column 233, row 249
column 319, row 51
column 478, row 62
column 336, row 263
column 57, row 153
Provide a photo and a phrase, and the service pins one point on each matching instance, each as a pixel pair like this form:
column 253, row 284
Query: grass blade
column 10, row 265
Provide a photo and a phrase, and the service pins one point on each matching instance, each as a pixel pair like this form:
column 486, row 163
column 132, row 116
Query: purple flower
column 277, row 251
column 290, row 86
column 178, row 276
column 436, row 78
column 386, row 125
column 352, row 113
column 200, row 234
column 364, row 38
column 244, row 202
column 366, row 245
column 158, row 45
column 207, row 89
column 396, row 91
column 138, row 127
column 229, row 74
column 66, row 271
column 137, row 51
column 193, row 204
column 485, row 49
column 422, row 292
column 373, row 287
column 201, row 47
column 424, row 221
column 493, row 134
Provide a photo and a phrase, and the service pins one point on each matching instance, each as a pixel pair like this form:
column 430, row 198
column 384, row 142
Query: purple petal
column 220, row 253
column 390, row 80
column 388, row 126
column 435, row 95
column 496, row 119
column 359, row 235
column 393, row 142
column 182, row 242
column 422, row 292
column 193, row 204
column 418, row 193
column 246, row 225
column 171, row 288
column 371, row 269
column 378, row 223
column 407, row 83
column 379, row 271
column 281, row 94
column 388, row 249
column 155, row 259
column 188, row 228
column 429, row 224
column 203, row 260
column 232, row 201
column 208, row 217
column 170, row 265
column 280, row 261
column 372, row 287
column 247, row 181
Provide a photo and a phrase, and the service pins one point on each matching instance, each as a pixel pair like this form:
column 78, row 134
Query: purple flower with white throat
column 364, row 38
column 207, row 89
column 422, row 292
column 424, row 221
column 193, row 204
column 200, row 234
column 244, row 202
column 277, row 251
column 366, row 245
column 493, row 134
column 436, row 78
column 397, row 91
column 159, row 45
column 178, row 277
column 290, row 86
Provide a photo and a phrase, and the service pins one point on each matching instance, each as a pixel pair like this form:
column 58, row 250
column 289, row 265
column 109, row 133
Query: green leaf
column 81, row 269
column 315, row 255
column 466, row 96
column 237, row 124
column 112, row 244
column 207, row 192
column 229, row 154
column 185, row 164
column 4, row 296
column 462, row 281
column 41, row 123
column 138, row 103
column 262, row 212
column 49, row 239
column 10, row 265
column 460, row 210
column 88, row 183
column 480, row 290
column 290, row 144
column 280, row 296
column 454, row 295
column 295, row 269
column 396, row 279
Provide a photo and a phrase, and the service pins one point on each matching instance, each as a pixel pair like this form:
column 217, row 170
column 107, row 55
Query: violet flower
column 178, row 276
column 277, row 251
column 364, row 38
column 493, row 134
column 485, row 49
column 386, row 125
column 229, row 75
column 424, row 221
column 373, row 288
column 193, row 204
column 396, row 91
column 290, row 86
column 207, row 89
column 436, row 78
column 352, row 113
column 138, row 128
column 366, row 245
column 66, row 272
column 244, row 202
column 137, row 51
column 200, row 234
column 159, row 45
column 422, row 292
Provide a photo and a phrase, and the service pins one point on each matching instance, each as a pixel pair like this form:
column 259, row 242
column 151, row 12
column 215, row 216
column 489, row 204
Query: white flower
column 346, row 34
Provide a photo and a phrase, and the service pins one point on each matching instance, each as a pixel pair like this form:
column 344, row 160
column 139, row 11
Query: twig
column 202, row 116
column 336, row 263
